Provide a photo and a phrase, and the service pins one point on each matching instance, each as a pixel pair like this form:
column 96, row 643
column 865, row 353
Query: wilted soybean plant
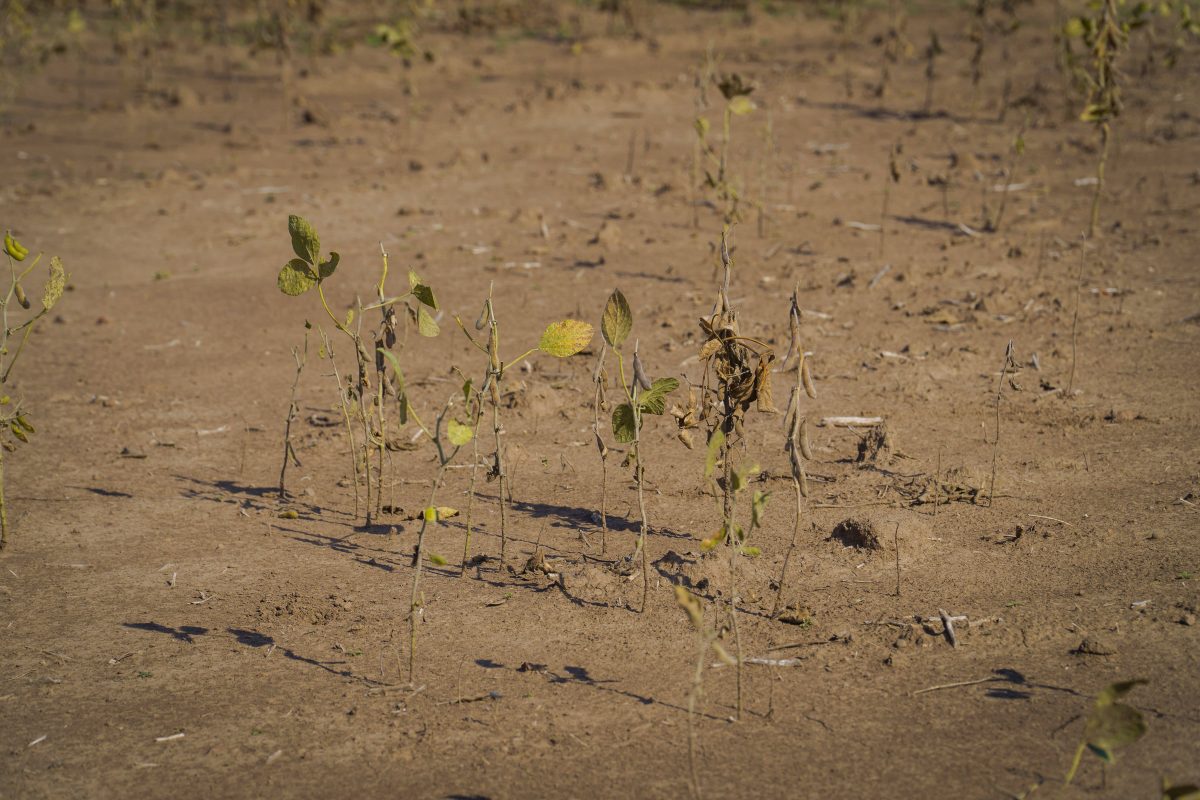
column 308, row 271
column 641, row 397
column 560, row 339
column 13, row 417
column 796, row 445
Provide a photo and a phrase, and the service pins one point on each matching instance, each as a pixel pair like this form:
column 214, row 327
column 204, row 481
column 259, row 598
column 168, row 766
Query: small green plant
column 560, row 339
column 1111, row 724
column 992, row 223
column 735, row 537
column 448, row 435
column 309, row 271
column 706, row 639
column 642, row 396
column 14, row 418
column 717, row 177
column 1105, row 36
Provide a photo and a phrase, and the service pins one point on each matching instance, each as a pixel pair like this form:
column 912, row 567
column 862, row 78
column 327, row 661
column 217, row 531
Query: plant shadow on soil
column 248, row 638
column 580, row 676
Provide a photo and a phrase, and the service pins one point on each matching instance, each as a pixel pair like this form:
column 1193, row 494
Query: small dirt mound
column 860, row 532
column 708, row 575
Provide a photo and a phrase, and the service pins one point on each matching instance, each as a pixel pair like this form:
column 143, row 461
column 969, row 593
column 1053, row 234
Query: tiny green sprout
column 144, row 674
column 1111, row 724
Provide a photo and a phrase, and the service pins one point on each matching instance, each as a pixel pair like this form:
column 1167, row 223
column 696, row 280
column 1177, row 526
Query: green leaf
column 741, row 105
column 426, row 325
column 654, row 400
column 1113, row 724
column 743, row 476
column 466, row 390
column 431, row 514
column 565, row 338
column 55, row 284
column 395, row 362
column 458, row 433
column 715, row 444
column 296, row 278
column 305, row 241
column 758, row 507
column 752, row 552
column 327, row 268
column 420, row 291
column 617, row 321
column 712, row 541
column 437, row 560
column 623, row 425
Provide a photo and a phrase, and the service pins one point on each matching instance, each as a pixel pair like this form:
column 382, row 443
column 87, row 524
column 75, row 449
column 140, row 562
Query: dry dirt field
column 165, row 632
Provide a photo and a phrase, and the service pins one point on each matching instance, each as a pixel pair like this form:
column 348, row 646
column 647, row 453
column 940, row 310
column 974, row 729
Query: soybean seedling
column 14, row 419
column 735, row 536
column 447, row 444
column 641, row 397
column 796, row 444
column 737, row 104
column 990, row 223
column 560, row 339
column 309, row 271
column 706, row 638
column 1111, row 724
column 1105, row 36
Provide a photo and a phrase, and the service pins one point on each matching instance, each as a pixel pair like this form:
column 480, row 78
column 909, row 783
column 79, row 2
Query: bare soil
column 152, row 589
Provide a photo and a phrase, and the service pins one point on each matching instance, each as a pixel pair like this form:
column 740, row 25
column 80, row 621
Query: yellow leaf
column 566, row 338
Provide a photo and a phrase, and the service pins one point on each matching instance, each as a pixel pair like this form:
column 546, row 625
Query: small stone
column 1188, row 619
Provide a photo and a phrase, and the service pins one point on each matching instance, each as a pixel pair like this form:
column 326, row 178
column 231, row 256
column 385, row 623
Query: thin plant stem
column 1008, row 356
column 416, row 605
column 1075, row 320
column 289, row 452
column 787, row 558
column 471, row 489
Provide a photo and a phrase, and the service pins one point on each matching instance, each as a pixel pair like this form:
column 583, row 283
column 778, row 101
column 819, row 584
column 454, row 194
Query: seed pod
column 600, row 445
column 805, row 447
column 19, row 291
column 14, row 248
column 24, row 423
column 806, row 378
column 639, row 373
column 18, row 432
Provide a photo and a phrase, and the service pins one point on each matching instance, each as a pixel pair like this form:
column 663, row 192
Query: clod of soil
column 1092, row 646
column 857, row 532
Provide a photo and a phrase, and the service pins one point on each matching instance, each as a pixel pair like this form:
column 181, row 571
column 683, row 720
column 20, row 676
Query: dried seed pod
column 805, row 447
column 806, row 379
column 21, row 298
column 600, row 445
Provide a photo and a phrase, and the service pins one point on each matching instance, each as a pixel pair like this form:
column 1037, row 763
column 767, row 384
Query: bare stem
column 416, row 606
column 289, row 453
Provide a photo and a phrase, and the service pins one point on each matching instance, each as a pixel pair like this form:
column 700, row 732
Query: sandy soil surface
column 165, row 633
